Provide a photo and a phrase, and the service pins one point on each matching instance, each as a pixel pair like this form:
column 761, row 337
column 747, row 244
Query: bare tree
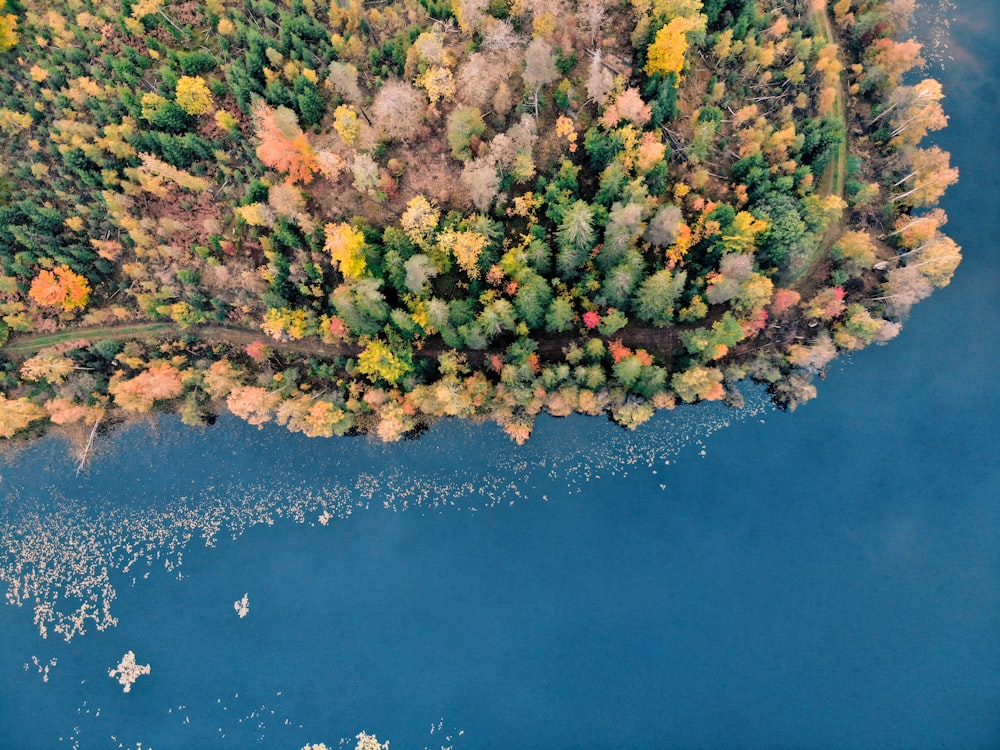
column 539, row 64
column 599, row 81
column 398, row 109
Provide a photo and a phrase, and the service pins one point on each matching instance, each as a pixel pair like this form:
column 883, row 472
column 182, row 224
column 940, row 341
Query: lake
column 828, row 578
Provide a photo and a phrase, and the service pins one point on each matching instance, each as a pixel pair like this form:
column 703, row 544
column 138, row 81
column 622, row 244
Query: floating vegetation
column 128, row 671
column 242, row 606
column 60, row 556
column 43, row 669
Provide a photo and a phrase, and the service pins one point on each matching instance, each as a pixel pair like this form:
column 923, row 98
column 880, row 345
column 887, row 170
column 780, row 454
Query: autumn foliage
column 18, row 413
column 159, row 383
column 60, row 287
column 283, row 145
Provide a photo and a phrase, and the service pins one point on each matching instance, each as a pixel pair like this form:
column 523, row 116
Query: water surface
column 829, row 578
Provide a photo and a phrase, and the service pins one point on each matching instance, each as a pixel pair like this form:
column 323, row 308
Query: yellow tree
column 193, row 95
column 49, row 366
column 347, row 123
column 930, row 176
column 466, row 247
column 346, row 246
column 313, row 417
column 378, row 360
column 699, row 382
column 219, row 379
column 419, row 220
column 18, row 413
column 282, row 324
column 8, row 28
column 666, row 53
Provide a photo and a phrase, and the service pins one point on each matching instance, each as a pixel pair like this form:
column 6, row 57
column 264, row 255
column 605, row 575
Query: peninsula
column 360, row 217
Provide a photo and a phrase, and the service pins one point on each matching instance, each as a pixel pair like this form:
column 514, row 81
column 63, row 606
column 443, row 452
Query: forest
column 349, row 216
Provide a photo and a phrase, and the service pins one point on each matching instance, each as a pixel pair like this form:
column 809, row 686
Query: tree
column 888, row 60
column 361, row 306
column 666, row 54
column 367, row 177
column 915, row 110
column 753, row 295
column 60, row 287
column 346, row 246
column 534, row 295
column 8, row 29
column 929, row 177
column 314, row 417
column 826, row 304
column 576, row 238
column 815, row 355
column 286, row 200
column 911, row 231
column 398, row 109
column 419, row 270
column 466, row 247
column 420, row 220
column 936, row 259
column 479, row 78
column 539, row 64
column 283, row 145
column 378, row 361
column 657, row 296
column 786, row 233
column 903, row 288
column 470, row 14
column 160, row 382
column 438, row 82
column 282, row 323
column 590, row 15
column 793, row 390
column 18, row 413
column 49, row 366
column 629, row 106
column 464, row 124
column 344, row 80
column 623, row 227
column 858, row 328
column 193, row 95
column 252, row 403
column 698, row 382
column 725, row 285
column 481, row 181
column 560, row 315
column 347, row 124
column 664, row 226
column 855, row 251
column 600, row 81
column 221, row 377
column 620, row 281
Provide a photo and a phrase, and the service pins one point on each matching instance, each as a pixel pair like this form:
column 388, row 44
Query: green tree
column 657, row 296
column 464, row 124
column 575, row 237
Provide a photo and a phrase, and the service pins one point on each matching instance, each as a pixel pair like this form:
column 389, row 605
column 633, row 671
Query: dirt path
column 24, row 346
column 657, row 340
column 834, row 177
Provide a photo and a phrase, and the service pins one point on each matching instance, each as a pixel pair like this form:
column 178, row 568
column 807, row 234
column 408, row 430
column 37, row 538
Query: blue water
column 828, row 578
